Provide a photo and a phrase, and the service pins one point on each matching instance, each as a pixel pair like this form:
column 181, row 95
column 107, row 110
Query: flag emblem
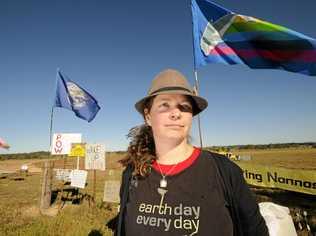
column 78, row 96
column 71, row 96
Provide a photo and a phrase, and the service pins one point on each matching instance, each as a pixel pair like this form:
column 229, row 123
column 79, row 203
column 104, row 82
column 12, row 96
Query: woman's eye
column 185, row 108
column 164, row 105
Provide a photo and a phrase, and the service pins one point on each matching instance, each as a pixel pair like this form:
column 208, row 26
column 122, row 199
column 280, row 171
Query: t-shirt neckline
column 165, row 169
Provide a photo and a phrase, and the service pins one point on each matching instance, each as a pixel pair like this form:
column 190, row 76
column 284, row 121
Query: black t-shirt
column 193, row 205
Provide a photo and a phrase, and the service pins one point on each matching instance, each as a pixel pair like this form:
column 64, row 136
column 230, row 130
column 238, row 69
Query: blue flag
column 71, row 96
column 222, row 36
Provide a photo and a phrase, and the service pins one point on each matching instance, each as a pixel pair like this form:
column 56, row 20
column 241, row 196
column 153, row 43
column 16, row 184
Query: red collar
column 180, row 166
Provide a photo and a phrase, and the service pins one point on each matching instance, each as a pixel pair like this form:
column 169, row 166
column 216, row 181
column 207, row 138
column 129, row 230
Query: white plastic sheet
column 278, row 219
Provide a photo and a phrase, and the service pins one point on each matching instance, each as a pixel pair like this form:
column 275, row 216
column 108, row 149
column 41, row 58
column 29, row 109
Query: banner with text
column 297, row 180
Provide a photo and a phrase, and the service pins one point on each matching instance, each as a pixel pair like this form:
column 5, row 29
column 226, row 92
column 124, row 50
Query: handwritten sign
column 112, row 191
column 61, row 144
column 78, row 178
column 95, row 157
column 63, row 174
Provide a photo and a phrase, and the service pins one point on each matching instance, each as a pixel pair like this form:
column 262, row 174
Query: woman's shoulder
column 127, row 171
column 223, row 162
column 206, row 154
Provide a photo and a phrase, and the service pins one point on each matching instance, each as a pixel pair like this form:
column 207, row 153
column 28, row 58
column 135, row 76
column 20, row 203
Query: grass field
column 19, row 199
column 302, row 158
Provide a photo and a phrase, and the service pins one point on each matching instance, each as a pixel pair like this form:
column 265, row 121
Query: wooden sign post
column 47, row 185
column 94, row 183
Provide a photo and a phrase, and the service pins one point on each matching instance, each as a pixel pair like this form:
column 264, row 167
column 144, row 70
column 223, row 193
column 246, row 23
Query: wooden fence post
column 46, row 185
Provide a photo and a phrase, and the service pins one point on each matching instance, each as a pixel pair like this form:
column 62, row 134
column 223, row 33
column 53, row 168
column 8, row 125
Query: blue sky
column 113, row 49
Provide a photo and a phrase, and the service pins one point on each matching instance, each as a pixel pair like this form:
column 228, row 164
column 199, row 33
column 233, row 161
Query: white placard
column 62, row 143
column 112, row 191
column 63, row 174
column 95, row 157
column 78, row 178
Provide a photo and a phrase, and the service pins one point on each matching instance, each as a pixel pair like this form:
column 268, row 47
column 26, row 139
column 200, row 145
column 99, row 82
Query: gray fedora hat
column 172, row 82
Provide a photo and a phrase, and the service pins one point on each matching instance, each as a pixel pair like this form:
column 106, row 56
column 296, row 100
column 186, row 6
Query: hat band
column 169, row 89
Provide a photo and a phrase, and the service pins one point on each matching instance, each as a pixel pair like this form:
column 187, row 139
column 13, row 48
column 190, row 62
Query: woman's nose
column 175, row 113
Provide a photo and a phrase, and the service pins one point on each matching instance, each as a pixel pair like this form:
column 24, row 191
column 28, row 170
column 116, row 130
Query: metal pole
column 196, row 82
column 51, row 128
column 198, row 116
column 52, row 115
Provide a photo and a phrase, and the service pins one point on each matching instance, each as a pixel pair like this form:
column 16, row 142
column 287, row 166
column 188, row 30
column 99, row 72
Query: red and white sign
column 62, row 143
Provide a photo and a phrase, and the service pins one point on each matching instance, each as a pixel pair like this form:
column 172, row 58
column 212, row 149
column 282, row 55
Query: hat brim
column 199, row 106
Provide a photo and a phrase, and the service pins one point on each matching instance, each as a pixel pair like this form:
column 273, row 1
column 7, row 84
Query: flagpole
column 47, row 172
column 197, row 86
column 51, row 128
column 52, row 115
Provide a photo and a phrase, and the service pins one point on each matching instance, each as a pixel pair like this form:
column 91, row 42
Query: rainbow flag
column 222, row 36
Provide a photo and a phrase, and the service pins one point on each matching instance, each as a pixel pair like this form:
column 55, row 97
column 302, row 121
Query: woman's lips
column 175, row 126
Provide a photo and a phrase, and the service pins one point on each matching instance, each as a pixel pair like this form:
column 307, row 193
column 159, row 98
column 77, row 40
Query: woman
column 170, row 187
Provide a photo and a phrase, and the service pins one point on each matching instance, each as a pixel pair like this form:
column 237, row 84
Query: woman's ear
column 147, row 117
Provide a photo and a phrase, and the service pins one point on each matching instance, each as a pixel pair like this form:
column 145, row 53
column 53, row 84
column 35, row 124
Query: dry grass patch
column 298, row 158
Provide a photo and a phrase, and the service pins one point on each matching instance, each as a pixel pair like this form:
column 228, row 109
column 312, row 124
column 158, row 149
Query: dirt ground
column 10, row 166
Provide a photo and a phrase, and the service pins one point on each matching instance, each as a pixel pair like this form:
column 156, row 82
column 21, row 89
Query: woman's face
column 170, row 117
